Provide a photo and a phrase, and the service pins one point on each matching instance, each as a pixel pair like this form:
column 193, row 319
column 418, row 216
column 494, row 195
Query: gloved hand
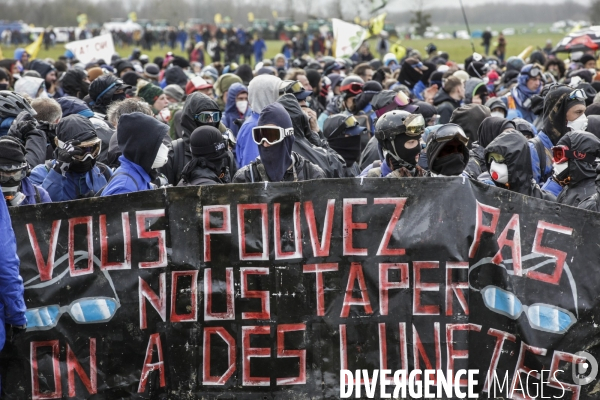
column 23, row 124
column 64, row 156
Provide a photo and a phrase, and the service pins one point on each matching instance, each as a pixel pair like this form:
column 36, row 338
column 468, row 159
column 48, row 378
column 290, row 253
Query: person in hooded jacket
column 564, row 110
column 507, row 159
column 210, row 159
column 488, row 130
column 411, row 74
column 447, row 152
column 143, row 152
column 236, row 108
column 518, row 100
column 593, row 125
column 344, row 134
column 469, row 117
column 74, row 173
column 75, row 82
column 277, row 161
column 31, row 86
column 574, row 168
column 497, row 107
column 48, row 73
column 103, row 91
column 262, row 91
column 363, row 110
column 475, row 91
column 222, row 86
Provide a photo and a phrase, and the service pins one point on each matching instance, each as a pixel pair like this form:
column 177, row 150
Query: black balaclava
column 583, row 142
column 12, row 155
column 209, row 150
column 409, row 76
column 73, row 84
column 556, row 105
column 369, row 90
column 276, row 158
column 346, row 146
column 407, row 156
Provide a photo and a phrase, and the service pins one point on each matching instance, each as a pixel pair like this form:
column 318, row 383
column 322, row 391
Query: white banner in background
column 93, row 49
column 348, row 37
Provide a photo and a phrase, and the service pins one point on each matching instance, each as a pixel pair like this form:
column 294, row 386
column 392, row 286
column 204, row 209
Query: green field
column 457, row 48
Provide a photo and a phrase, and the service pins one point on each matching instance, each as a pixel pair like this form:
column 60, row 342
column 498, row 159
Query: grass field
column 457, row 48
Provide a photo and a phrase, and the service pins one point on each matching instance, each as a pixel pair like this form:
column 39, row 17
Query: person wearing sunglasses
column 343, row 134
column 508, row 163
column 574, row 166
column 518, row 100
column 17, row 188
column 73, row 174
column 447, row 152
column 274, row 136
column 564, row 111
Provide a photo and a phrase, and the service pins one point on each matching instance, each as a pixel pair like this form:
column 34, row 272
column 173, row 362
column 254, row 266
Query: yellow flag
column 133, row 16
column 1, row 56
column 218, row 18
column 250, row 17
column 525, row 53
column 275, row 14
column 376, row 25
column 34, row 47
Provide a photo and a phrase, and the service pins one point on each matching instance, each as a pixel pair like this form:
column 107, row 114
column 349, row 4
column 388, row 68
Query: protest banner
column 348, row 37
column 271, row 290
column 96, row 48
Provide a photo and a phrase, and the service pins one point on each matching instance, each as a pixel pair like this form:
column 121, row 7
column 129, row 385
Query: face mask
column 11, row 193
column 161, row 157
column 118, row 97
column 498, row 114
column 561, row 171
column 81, row 167
column 499, row 172
column 3, row 86
column 242, row 106
column 450, row 165
column 580, row 124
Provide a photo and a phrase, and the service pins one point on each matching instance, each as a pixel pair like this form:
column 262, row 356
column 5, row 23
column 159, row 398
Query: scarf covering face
column 521, row 92
column 276, row 158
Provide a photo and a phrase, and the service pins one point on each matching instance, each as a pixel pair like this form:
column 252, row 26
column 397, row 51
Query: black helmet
column 11, row 104
column 103, row 88
column 351, row 86
column 394, row 130
column 438, row 139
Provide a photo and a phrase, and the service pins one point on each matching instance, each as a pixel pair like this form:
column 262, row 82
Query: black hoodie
column 445, row 105
column 581, row 174
column 139, row 137
column 469, row 117
column 490, row 128
column 330, row 162
column 512, row 145
column 594, row 125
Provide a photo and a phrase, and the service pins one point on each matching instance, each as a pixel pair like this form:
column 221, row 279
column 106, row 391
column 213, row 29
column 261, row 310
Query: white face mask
column 498, row 114
column 161, row 157
column 580, row 124
column 499, row 172
column 242, row 106
column 560, row 168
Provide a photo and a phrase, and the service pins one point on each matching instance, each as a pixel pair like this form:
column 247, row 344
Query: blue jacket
column 137, row 181
column 12, row 302
column 5, row 125
column 28, row 189
column 418, row 89
column 246, row 150
column 231, row 112
column 535, row 159
column 70, row 187
column 259, row 49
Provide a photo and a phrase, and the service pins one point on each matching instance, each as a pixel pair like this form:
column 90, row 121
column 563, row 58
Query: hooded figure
column 345, row 140
column 222, row 87
column 309, row 144
column 43, row 68
column 104, row 90
column 507, row 159
column 175, row 76
column 244, row 71
column 447, row 152
column 518, row 101
column 140, row 140
column 469, row 117
column 31, row 86
column 74, row 173
column 594, row 125
column 123, row 66
column 277, row 161
column 235, row 112
column 210, row 159
column 410, row 73
column 576, row 173
column 475, row 87
column 75, row 83
column 490, row 129
column 263, row 91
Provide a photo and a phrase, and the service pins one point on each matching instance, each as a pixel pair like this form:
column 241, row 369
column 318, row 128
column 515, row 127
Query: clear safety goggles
column 206, row 117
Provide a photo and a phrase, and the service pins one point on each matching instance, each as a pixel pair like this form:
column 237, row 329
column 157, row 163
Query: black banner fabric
column 269, row 291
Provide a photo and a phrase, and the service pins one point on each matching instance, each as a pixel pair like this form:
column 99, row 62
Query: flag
column 132, row 16
column 34, row 47
column 376, row 25
column 1, row 57
column 250, row 17
column 348, row 37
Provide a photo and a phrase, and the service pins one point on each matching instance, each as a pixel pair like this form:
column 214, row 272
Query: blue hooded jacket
column 28, row 189
column 122, row 183
column 72, row 105
column 521, row 95
column 12, row 302
column 246, row 150
column 5, row 125
column 231, row 111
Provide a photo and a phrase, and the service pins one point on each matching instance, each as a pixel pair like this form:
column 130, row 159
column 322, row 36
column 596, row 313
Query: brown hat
column 415, row 63
column 94, row 72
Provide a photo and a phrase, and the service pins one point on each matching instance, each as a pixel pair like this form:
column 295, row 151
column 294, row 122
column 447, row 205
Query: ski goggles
column 92, row 310
column 534, row 72
column 400, row 100
column 90, row 148
column 449, row 132
column 542, row 317
column 15, row 175
column 270, row 134
column 414, row 126
column 354, row 88
column 293, row 87
column 498, row 158
column 578, row 94
column 562, row 153
column 206, row 117
column 348, row 124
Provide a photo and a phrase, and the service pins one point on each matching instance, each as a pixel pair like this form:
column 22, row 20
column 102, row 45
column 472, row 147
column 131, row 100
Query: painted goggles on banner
column 354, row 88
column 400, row 100
column 91, row 310
column 270, row 134
column 578, row 94
column 561, row 154
column 448, row 132
column 14, row 174
column 292, row 87
column 542, row 317
column 90, row 148
column 206, row 117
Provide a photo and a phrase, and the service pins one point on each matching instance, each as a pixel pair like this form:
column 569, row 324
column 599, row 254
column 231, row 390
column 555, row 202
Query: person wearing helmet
column 399, row 135
column 351, row 87
column 518, row 100
column 343, row 134
column 17, row 189
column 104, row 90
column 74, row 173
column 17, row 120
column 447, row 152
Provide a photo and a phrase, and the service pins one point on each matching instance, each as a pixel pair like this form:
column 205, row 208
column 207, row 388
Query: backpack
column 543, row 155
column 99, row 192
